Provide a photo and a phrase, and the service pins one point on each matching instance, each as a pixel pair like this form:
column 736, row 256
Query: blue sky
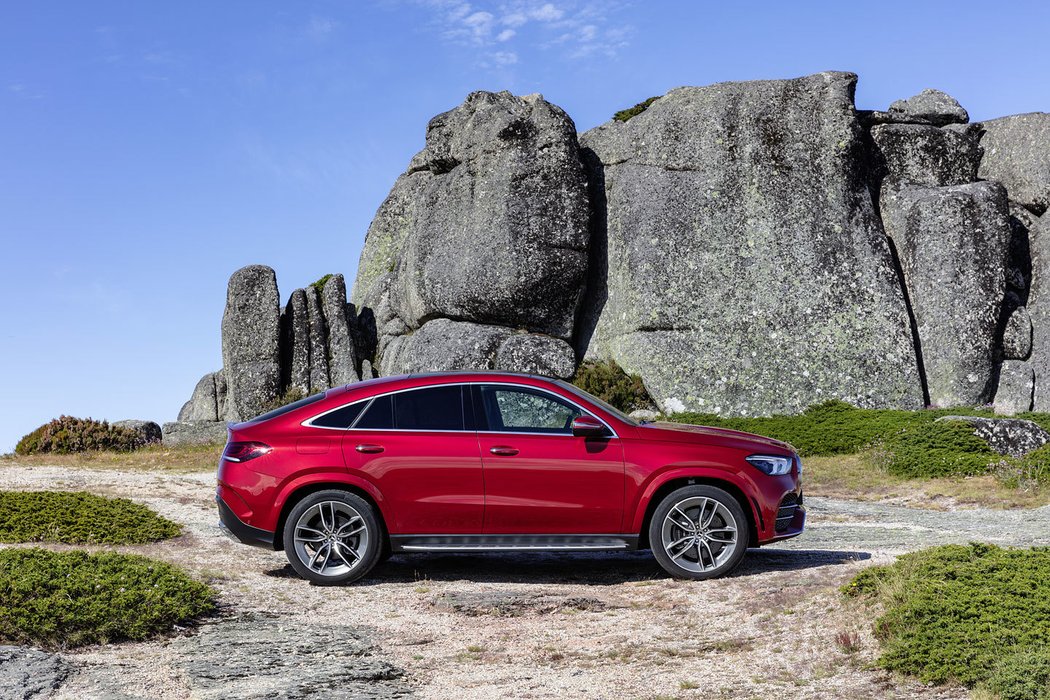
column 149, row 149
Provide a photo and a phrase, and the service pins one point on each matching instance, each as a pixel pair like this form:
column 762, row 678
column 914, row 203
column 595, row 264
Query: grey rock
column 488, row 225
column 728, row 288
column 1016, row 388
column 1038, row 307
column 318, row 341
column 342, row 354
column 503, row 604
column 644, row 414
column 1017, row 154
column 251, row 341
column 366, row 371
column 149, row 430
column 1017, row 336
column 1007, row 436
column 179, row 433
column 926, row 155
column 536, row 354
column 442, row 345
column 206, row 402
column 295, row 343
column 26, row 673
column 954, row 245
column 931, row 106
column 256, row 657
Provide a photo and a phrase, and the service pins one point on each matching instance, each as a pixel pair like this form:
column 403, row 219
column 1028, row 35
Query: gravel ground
column 522, row 626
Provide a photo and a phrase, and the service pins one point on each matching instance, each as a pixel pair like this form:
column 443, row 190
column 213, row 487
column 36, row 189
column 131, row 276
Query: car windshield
column 607, row 407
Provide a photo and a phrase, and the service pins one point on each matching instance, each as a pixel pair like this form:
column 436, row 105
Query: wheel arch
column 751, row 511
column 298, row 493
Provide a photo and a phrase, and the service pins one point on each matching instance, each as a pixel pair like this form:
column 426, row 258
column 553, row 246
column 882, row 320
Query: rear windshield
column 288, row 408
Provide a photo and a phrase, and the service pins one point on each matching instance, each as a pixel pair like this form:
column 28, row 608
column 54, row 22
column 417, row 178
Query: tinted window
column 288, row 408
column 340, row 417
column 378, row 416
column 516, row 409
column 434, row 408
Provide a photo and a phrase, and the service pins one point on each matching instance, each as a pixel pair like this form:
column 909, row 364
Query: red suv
column 484, row 461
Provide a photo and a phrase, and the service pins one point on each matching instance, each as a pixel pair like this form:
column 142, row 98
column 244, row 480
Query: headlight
column 774, row 466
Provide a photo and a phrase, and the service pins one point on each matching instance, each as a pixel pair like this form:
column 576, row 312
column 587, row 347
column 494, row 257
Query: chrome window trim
column 308, row 423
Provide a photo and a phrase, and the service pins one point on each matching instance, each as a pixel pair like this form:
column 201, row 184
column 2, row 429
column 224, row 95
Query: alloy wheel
column 330, row 538
column 699, row 534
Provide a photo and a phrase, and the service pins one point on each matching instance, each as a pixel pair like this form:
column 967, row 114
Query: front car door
column 420, row 449
column 539, row 478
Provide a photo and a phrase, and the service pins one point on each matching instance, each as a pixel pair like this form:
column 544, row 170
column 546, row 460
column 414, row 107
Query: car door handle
column 369, row 449
column 503, row 451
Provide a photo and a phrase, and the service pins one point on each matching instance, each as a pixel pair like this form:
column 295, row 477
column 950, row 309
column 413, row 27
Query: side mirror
column 588, row 426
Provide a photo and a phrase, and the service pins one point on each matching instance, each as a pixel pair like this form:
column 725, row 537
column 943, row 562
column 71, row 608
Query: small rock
column 1007, row 436
column 179, row 433
column 149, row 430
column 1017, row 336
column 644, row 414
column 931, row 107
column 27, row 673
column 1016, row 388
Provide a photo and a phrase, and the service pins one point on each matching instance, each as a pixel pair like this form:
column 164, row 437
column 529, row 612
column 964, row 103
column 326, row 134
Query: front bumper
column 232, row 527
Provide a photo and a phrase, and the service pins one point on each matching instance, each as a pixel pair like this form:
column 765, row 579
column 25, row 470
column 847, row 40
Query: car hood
column 705, row 435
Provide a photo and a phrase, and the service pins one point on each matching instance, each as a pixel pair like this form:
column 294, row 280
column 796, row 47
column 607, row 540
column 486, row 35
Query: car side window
column 522, row 410
column 433, row 408
column 378, row 416
column 341, row 417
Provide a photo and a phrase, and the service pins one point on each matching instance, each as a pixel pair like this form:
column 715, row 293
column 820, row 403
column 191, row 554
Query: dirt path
column 523, row 626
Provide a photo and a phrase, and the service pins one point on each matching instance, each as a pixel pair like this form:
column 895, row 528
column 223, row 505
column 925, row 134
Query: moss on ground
column 69, row 599
column 977, row 615
column 79, row 518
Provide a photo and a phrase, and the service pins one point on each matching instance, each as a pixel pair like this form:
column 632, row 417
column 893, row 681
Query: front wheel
column 332, row 537
column 698, row 532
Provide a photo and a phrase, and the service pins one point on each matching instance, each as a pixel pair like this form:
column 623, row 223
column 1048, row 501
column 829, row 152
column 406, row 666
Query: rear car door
column 539, row 478
column 420, row 448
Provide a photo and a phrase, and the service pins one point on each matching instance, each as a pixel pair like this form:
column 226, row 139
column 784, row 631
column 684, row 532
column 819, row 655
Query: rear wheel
column 699, row 532
column 332, row 537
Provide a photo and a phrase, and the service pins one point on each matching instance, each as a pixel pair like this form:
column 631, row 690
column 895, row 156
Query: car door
column 420, row 448
column 539, row 478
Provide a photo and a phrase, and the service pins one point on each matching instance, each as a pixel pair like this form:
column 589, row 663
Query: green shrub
column 611, row 384
column 1021, row 676
column 291, row 395
column 66, row 434
column 69, row 599
column 79, row 518
column 1029, row 471
column 625, row 114
column 319, row 284
column 952, row 613
column 931, row 449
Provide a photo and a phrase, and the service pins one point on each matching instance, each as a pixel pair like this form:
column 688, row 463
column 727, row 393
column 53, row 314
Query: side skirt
column 512, row 543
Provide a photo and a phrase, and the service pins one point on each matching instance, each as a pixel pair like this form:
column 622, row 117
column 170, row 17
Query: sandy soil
column 544, row 626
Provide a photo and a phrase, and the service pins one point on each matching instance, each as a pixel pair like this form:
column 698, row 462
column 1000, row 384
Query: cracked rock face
column 747, row 269
column 28, row 674
column 489, row 226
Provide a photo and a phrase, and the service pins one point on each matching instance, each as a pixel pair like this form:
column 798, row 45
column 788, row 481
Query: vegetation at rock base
column 611, row 384
column 69, row 599
column 625, row 114
column 1030, row 471
column 181, row 458
column 79, row 518
column 977, row 615
column 67, row 434
column 291, row 395
column 930, row 449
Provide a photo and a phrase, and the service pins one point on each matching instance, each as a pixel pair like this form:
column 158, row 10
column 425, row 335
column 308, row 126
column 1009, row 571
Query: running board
column 512, row 543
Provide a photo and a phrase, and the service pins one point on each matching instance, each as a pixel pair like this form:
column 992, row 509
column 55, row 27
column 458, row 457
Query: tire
column 333, row 537
column 704, row 551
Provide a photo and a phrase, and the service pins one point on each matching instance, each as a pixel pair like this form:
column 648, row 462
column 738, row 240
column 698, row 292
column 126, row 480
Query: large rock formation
column 488, row 227
column 747, row 268
column 251, row 341
column 1017, row 154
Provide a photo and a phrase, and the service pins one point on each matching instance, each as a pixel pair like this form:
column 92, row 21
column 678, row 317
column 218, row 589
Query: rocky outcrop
column 488, row 226
column 1007, row 436
column 1017, row 336
column 208, row 402
column 341, row 347
column 953, row 244
column 926, row 155
column 179, row 433
column 251, row 341
column 1017, row 154
column 728, row 287
column 1039, row 311
column 929, row 107
column 27, row 673
column 150, row 431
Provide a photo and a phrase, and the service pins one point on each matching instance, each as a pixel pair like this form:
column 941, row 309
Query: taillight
column 243, row 451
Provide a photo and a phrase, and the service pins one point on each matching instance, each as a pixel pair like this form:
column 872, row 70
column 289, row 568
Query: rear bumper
column 232, row 527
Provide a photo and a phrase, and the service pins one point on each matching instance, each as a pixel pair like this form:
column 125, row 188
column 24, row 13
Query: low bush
column 930, row 449
column 625, row 114
column 79, row 518
column 611, row 384
column 67, row 434
column 1030, row 471
column 1021, row 676
column 971, row 614
column 69, row 599
column 291, row 395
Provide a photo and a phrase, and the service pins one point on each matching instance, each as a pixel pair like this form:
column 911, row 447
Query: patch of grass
column 609, row 383
column 961, row 613
column 625, row 114
column 187, row 458
column 69, row 599
column 79, row 518
column 320, row 283
column 66, row 434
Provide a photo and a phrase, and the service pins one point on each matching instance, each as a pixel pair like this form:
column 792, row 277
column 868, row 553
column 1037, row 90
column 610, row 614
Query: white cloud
column 505, row 58
column 318, row 29
column 588, row 32
column 546, row 13
column 515, row 19
column 506, row 35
